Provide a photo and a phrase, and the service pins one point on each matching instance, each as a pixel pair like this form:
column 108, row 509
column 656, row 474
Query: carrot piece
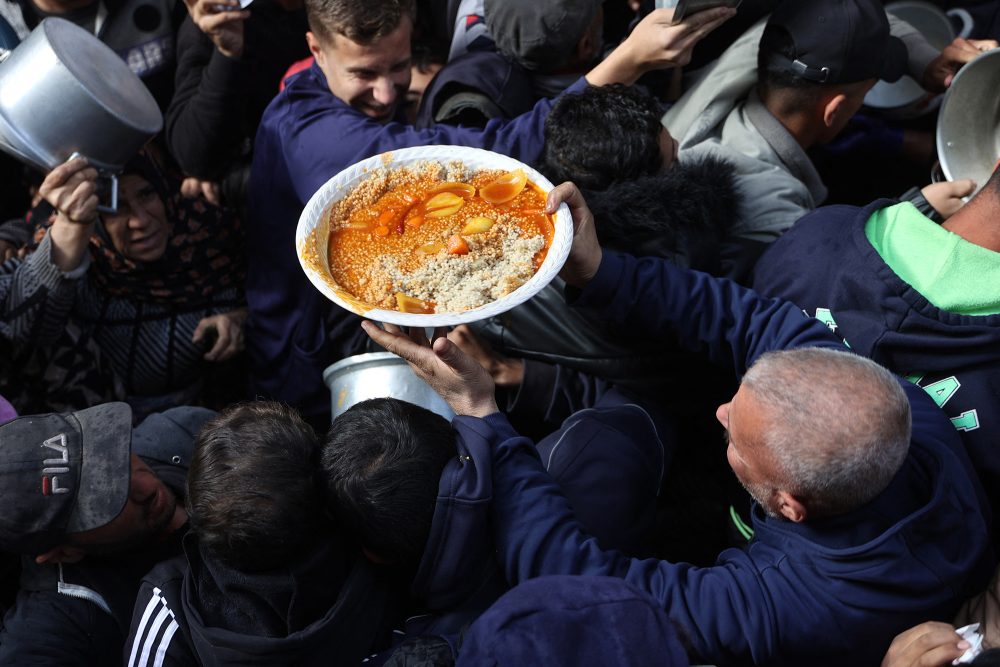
column 457, row 245
column 386, row 216
column 415, row 221
column 382, row 230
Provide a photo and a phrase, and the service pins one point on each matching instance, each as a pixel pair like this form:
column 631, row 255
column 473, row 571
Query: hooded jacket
column 325, row 608
column 459, row 575
column 824, row 592
column 827, row 266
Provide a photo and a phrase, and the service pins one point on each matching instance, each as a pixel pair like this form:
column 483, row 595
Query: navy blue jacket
column 307, row 136
column 458, row 576
column 826, row 265
column 825, row 592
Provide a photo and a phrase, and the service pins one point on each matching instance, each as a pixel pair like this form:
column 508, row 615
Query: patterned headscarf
column 204, row 254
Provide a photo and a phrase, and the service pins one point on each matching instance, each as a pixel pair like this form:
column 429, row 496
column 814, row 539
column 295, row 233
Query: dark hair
column 361, row 21
column 253, row 497
column 604, row 134
column 382, row 462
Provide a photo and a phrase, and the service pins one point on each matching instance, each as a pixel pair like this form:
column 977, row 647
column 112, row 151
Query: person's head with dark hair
column 382, row 462
column 363, row 49
column 253, row 496
column 817, row 60
column 361, row 21
column 603, row 135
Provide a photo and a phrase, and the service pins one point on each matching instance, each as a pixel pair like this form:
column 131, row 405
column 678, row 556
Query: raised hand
column 941, row 71
column 454, row 375
column 947, row 197
column 930, row 644
column 656, row 44
column 222, row 21
column 585, row 254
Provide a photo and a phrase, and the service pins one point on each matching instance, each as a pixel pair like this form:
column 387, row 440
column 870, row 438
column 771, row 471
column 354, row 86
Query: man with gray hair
column 821, row 464
column 868, row 517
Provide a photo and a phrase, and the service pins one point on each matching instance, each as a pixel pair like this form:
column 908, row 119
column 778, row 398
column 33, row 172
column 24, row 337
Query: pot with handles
column 968, row 127
column 63, row 92
column 379, row 375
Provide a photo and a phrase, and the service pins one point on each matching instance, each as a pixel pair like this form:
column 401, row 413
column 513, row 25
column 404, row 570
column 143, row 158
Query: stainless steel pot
column 906, row 98
column 64, row 92
column 379, row 375
column 968, row 128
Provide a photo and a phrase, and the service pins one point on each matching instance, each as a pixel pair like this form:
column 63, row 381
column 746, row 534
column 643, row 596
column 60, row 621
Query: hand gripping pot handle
column 64, row 92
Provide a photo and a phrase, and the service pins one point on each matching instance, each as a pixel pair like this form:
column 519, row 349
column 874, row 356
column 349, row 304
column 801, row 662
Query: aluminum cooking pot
column 906, row 98
column 379, row 375
column 64, row 92
column 968, row 129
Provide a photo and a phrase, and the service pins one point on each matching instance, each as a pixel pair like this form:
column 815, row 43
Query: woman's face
column 139, row 229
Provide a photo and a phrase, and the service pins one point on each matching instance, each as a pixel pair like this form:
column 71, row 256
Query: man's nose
column 722, row 414
column 384, row 92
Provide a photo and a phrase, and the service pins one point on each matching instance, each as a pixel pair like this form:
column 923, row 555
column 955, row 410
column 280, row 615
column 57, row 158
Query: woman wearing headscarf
column 155, row 287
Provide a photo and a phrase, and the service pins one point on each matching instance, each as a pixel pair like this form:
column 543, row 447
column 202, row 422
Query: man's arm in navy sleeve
column 733, row 324
column 320, row 146
column 537, row 534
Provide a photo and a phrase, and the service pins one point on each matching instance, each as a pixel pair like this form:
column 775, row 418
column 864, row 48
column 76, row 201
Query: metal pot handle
column 111, row 190
column 968, row 23
column 107, row 187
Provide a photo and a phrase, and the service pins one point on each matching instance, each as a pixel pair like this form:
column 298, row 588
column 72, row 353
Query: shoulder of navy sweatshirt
column 826, row 266
column 306, row 136
column 459, row 576
column 823, row 593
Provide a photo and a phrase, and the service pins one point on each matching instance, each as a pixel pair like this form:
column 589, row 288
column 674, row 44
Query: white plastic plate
column 314, row 215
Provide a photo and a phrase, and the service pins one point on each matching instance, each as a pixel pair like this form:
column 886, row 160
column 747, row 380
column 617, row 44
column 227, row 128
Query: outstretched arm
column 734, row 325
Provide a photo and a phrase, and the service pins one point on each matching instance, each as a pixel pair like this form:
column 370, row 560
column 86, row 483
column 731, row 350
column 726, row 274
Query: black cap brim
column 895, row 62
column 105, row 473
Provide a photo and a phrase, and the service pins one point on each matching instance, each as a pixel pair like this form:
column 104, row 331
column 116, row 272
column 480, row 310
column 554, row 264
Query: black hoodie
column 326, row 608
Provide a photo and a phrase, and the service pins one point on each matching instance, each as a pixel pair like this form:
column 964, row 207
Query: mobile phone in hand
column 685, row 8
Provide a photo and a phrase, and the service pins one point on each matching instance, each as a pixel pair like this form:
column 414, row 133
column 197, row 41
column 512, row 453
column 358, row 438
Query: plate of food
column 433, row 236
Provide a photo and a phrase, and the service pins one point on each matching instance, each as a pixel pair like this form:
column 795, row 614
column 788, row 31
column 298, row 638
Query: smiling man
column 347, row 107
column 92, row 505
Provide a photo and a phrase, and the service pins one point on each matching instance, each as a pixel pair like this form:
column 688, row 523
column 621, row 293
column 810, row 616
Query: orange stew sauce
column 425, row 217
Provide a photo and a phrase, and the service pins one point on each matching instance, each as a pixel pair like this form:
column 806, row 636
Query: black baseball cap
column 539, row 34
column 62, row 473
column 833, row 41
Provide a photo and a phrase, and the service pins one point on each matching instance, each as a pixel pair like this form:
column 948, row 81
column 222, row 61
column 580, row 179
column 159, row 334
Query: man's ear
column 586, row 48
column 833, row 108
column 790, row 507
column 61, row 554
column 314, row 47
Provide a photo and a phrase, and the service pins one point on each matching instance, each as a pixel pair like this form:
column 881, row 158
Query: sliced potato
column 443, row 204
column 411, row 304
column 461, row 189
column 477, row 225
column 505, row 188
column 432, row 248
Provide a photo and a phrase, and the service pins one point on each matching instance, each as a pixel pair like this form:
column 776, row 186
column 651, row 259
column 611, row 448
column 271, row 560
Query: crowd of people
column 757, row 255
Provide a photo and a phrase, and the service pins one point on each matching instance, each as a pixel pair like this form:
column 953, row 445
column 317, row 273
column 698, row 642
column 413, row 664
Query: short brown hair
column 361, row 21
